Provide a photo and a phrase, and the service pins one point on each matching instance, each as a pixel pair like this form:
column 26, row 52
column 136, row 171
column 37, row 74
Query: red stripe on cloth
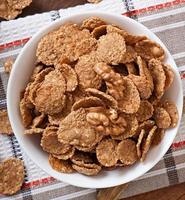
column 183, row 76
column 178, row 144
column 38, row 182
column 13, row 44
column 154, row 8
column 130, row 13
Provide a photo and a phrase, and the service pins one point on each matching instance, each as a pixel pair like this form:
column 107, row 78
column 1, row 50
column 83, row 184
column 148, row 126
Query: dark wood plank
column 39, row 6
column 176, row 192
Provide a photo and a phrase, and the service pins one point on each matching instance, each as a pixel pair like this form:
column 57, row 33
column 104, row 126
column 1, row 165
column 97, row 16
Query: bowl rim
column 10, row 107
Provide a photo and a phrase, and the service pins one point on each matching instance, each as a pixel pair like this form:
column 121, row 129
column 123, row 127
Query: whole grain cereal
column 5, row 126
column 106, row 152
column 126, row 151
column 92, row 23
column 19, row 4
column 63, row 166
column 81, row 158
column 87, row 102
column 94, row 1
column 127, row 101
column 145, row 111
column 11, row 176
column 171, row 108
column 10, row 9
column 75, row 130
column 50, row 143
column 158, row 136
column 129, row 129
column 50, row 95
column 158, row 76
column 146, row 126
column 111, row 48
column 38, row 120
column 86, row 76
column 96, row 97
column 169, row 76
column 33, row 131
column 65, row 156
column 148, row 49
column 139, row 143
column 69, row 43
column 69, row 75
column 8, row 65
column 147, row 143
column 162, row 118
column 107, row 99
column 99, row 31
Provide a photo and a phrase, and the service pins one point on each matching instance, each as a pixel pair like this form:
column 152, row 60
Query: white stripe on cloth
column 181, row 68
column 1, row 69
column 179, row 55
column 176, row 153
column 105, row 5
column 178, row 166
column 161, row 15
column 76, row 194
column 13, row 197
column 168, row 26
column 22, row 27
column 5, row 147
column 10, row 53
column 161, row 171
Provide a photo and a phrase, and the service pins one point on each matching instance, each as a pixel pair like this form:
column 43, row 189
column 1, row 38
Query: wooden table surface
column 176, row 192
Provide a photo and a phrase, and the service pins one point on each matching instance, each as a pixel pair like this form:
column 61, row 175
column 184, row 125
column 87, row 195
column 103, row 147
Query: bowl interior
column 20, row 75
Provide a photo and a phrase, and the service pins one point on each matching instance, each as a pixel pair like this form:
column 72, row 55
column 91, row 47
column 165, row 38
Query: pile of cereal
column 95, row 97
column 94, row 1
column 10, row 9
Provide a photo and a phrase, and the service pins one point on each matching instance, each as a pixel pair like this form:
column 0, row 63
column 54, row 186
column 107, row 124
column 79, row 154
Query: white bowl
column 19, row 78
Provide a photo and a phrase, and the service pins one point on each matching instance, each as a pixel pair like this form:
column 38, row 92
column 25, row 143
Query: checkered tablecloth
column 167, row 20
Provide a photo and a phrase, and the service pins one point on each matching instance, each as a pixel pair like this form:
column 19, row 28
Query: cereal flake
column 111, row 48
column 139, row 143
column 8, row 65
column 87, row 102
column 148, row 49
column 158, row 75
column 145, row 111
column 92, row 23
column 50, row 98
column 171, row 108
column 5, row 126
column 50, row 143
column 147, row 143
column 11, row 176
column 107, row 99
column 169, row 76
column 63, row 166
column 70, row 76
column 106, row 152
column 75, row 130
column 68, row 42
column 126, row 151
column 88, row 78
column 162, row 118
